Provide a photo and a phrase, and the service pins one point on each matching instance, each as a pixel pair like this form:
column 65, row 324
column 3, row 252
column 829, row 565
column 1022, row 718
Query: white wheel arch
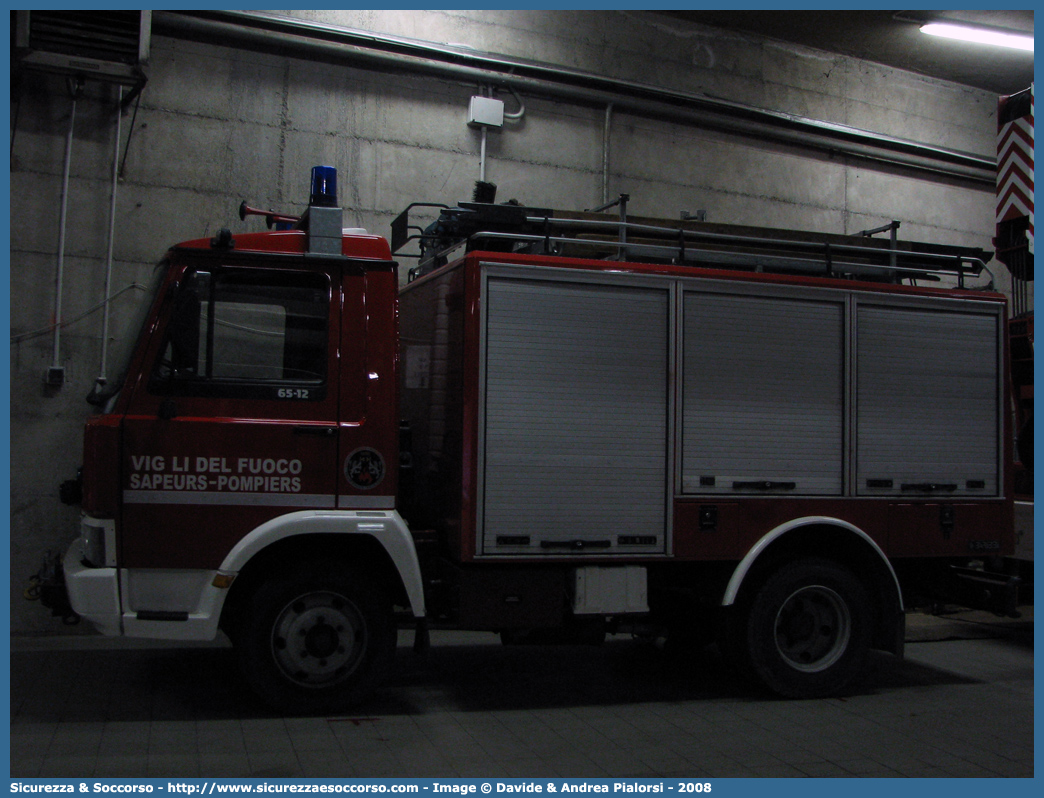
column 384, row 526
column 736, row 581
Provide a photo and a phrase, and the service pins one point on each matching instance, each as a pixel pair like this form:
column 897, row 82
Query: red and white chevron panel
column 1015, row 168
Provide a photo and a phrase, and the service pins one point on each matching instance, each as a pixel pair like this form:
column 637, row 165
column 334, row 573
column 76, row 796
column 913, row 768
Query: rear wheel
column 317, row 638
column 808, row 628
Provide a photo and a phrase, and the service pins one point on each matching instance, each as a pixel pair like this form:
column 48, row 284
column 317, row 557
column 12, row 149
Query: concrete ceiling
column 891, row 38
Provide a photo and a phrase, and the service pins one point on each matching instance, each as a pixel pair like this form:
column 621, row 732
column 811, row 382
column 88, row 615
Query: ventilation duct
column 100, row 45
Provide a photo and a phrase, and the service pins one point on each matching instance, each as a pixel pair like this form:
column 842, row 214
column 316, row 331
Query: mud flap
column 48, row 587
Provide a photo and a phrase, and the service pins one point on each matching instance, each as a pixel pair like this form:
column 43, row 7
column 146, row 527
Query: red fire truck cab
column 570, row 426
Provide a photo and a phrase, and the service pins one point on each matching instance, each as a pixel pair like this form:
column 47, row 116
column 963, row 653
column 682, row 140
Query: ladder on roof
column 514, row 228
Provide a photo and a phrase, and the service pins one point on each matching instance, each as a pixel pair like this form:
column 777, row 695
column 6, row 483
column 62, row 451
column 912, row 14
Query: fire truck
column 565, row 425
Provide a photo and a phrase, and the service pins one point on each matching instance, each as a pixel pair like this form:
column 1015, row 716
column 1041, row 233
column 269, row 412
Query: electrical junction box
column 485, row 112
column 607, row 590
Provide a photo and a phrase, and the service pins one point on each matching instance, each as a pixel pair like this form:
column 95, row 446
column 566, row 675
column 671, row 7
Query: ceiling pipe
column 324, row 42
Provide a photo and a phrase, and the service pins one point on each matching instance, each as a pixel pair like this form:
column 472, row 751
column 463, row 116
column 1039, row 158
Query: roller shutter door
column 576, row 418
column 928, row 397
column 763, row 395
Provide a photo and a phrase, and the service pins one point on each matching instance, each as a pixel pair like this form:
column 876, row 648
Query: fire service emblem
column 364, row 468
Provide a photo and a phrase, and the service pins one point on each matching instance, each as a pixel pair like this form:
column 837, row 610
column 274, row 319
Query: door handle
column 323, row 431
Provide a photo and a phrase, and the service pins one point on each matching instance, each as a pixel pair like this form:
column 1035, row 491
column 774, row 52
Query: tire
column 342, row 624
column 808, row 629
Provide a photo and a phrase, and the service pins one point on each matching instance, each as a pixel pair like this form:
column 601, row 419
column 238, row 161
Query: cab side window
column 248, row 334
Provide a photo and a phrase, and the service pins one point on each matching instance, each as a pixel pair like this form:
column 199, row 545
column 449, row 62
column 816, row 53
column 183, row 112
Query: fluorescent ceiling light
column 979, row 35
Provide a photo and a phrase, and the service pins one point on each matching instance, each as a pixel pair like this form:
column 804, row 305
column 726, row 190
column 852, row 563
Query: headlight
column 92, row 541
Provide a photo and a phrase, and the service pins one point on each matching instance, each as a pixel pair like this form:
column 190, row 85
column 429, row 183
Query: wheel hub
column 318, row 639
column 322, row 640
column 813, row 628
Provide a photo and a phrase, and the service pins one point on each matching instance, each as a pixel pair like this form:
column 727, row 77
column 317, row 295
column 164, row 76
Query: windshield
column 123, row 346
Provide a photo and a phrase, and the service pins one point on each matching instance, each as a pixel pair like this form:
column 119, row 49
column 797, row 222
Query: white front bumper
column 93, row 592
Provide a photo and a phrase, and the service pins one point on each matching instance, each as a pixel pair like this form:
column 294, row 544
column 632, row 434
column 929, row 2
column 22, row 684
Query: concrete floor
column 961, row 704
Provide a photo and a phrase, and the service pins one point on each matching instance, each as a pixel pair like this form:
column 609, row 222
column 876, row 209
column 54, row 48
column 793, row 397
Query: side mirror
column 181, row 350
column 184, row 331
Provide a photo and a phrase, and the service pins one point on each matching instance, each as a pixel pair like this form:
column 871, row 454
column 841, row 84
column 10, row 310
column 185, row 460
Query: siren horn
column 271, row 217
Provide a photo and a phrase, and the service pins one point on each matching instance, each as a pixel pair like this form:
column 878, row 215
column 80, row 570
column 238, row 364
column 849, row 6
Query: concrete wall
column 216, row 125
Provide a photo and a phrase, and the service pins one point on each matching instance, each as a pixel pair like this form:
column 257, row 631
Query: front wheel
column 317, row 638
column 808, row 629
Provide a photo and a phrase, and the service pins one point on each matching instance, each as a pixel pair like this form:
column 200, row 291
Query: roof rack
column 514, row 228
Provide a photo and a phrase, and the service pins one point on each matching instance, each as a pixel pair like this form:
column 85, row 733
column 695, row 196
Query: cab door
column 233, row 420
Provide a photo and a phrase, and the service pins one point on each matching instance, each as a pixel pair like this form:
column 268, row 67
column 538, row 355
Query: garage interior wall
column 216, row 125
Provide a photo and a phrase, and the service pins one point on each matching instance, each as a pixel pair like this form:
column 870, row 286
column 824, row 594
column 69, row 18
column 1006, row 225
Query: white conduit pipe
column 112, row 238
column 515, row 116
column 605, row 152
column 56, row 362
column 482, row 157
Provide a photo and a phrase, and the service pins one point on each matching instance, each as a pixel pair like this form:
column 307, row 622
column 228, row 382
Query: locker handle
column 929, row 487
column 763, row 485
column 575, row 545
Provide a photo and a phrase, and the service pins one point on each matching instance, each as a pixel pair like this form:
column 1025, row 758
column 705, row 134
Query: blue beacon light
column 324, row 187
